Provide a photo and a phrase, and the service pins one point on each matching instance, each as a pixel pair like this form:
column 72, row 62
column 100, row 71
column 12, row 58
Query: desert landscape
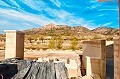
column 59, row 39
column 41, row 47
column 38, row 41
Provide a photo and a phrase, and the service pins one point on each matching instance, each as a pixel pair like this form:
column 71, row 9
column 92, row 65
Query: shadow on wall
column 109, row 51
column 7, row 71
column 110, row 61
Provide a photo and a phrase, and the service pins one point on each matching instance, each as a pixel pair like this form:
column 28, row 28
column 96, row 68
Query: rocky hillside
column 65, row 30
column 50, row 26
column 106, row 31
column 53, row 30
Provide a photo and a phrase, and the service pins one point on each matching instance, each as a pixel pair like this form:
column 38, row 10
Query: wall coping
column 92, row 57
column 98, row 41
column 13, row 31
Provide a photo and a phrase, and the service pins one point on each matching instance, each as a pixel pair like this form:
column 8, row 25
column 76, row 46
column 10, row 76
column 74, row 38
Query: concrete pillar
column 103, row 59
column 14, row 47
column 92, row 66
column 88, row 66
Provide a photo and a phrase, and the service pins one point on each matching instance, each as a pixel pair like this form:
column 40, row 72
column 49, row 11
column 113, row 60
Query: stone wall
column 96, row 50
column 116, row 58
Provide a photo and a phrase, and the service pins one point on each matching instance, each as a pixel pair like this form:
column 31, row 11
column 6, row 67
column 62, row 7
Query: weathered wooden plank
column 50, row 70
column 25, row 69
column 41, row 71
column 61, row 71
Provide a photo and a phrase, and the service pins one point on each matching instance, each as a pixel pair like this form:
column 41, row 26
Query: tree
column 42, row 39
column 51, row 44
column 30, row 39
column 74, row 43
column 59, row 42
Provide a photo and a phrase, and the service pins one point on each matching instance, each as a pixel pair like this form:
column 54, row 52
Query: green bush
column 59, row 42
column 74, row 43
column 51, row 44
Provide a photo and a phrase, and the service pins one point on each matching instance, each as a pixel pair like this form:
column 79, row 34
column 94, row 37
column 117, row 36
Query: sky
column 26, row 14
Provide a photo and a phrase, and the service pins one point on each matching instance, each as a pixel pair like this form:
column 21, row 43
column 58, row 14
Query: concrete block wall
column 72, row 69
column 14, row 47
column 93, row 66
column 116, row 57
column 95, row 49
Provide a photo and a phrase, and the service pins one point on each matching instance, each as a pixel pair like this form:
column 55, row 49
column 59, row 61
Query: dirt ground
column 2, row 54
column 33, row 54
column 36, row 54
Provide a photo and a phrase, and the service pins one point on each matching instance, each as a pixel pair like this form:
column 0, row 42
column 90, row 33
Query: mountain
column 106, row 30
column 81, row 29
column 54, row 30
column 50, row 26
column 65, row 30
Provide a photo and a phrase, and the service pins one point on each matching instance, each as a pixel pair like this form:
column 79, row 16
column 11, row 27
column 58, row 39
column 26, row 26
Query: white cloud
column 107, row 24
column 61, row 14
column 23, row 16
column 13, row 2
column 101, row 15
column 3, row 3
column 3, row 22
column 22, row 19
column 108, row 9
column 29, row 20
column 64, row 17
column 94, row 6
column 93, row 1
column 56, row 2
column 36, row 5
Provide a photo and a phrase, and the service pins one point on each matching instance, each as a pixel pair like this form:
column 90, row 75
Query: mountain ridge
column 106, row 30
column 53, row 29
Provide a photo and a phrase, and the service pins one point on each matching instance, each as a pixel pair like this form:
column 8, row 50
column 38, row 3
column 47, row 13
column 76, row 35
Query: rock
column 26, row 69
